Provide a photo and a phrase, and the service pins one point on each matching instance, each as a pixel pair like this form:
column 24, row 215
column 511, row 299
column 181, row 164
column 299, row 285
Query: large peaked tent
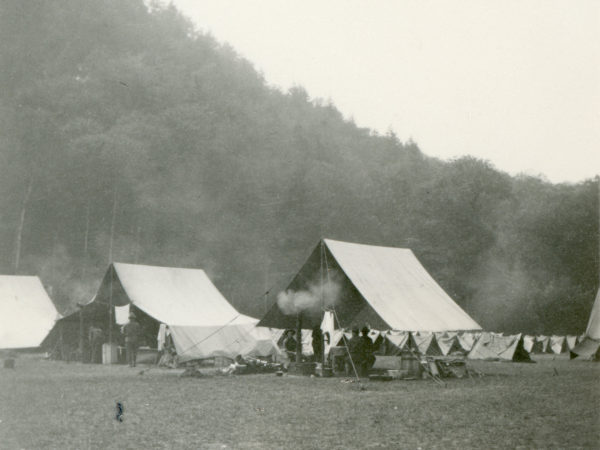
column 589, row 347
column 384, row 287
column 203, row 323
column 26, row 312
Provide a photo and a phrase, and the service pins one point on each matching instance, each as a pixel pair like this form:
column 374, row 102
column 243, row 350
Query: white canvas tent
column 466, row 340
column 26, row 312
column 589, row 347
column 384, row 287
column 493, row 346
column 203, row 323
column 448, row 342
column 558, row 344
column 528, row 342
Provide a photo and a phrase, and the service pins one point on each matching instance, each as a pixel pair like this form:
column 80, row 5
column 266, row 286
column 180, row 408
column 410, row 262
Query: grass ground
column 46, row 404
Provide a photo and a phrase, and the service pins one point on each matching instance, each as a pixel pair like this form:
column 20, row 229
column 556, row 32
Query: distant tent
column 426, row 343
column 558, row 344
column 384, row 287
column 467, row 339
column 528, row 342
column 448, row 342
column 26, row 312
column 492, row 346
column 589, row 347
column 395, row 342
column 203, row 323
column 541, row 344
column 571, row 341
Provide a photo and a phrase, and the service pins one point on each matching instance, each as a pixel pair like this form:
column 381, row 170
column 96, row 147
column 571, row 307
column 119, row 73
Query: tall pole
column 322, row 252
column 110, row 307
column 110, row 269
column 112, row 227
column 299, row 338
column 81, row 333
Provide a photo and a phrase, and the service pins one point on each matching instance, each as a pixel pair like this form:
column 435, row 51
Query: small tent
column 467, row 339
column 26, row 312
column 203, row 323
column 425, row 343
column 528, row 342
column 494, row 347
column 571, row 341
column 541, row 344
column 558, row 344
column 589, row 347
column 448, row 342
column 395, row 342
column 384, row 287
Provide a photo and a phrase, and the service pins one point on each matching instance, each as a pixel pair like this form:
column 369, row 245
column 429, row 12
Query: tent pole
column 322, row 306
column 299, row 338
column 110, row 306
column 81, row 334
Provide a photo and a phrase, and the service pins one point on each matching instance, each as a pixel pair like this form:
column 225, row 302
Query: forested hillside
column 112, row 104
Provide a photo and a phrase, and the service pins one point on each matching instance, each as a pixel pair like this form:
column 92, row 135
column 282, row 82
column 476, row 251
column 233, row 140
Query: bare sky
column 513, row 82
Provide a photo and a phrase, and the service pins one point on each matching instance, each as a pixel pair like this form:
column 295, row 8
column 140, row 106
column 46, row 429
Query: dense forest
column 121, row 119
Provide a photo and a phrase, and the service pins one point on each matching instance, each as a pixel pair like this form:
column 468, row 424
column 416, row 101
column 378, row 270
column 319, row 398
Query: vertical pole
column 298, row 337
column 81, row 334
column 112, row 227
column 110, row 307
column 322, row 253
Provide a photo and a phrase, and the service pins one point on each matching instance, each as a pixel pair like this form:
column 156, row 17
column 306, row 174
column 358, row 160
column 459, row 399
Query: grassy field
column 45, row 404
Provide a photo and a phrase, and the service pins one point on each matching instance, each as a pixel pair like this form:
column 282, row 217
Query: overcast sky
column 513, row 82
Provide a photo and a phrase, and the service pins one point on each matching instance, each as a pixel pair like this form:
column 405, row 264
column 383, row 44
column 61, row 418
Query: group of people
column 132, row 332
column 360, row 349
column 362, row 352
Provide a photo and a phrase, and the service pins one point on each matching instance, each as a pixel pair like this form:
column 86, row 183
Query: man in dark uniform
column 132, row 335
column 355, row 351
column 317, row 343
column 367, row 350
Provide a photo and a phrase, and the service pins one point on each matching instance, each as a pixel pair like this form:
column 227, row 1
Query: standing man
column 355, row 352
column 367, row 349
column 132, row 335
column 317, row 343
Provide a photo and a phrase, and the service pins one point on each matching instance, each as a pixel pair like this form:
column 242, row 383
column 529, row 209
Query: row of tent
column 384, row 287
column 475, row 345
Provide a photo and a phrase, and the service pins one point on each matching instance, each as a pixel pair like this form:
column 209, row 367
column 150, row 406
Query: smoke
column 317, row 296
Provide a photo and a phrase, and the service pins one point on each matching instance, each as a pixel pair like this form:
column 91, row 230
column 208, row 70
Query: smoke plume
column 317, row 296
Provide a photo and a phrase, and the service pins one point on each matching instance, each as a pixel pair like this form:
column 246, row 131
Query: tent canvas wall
column 384, row 287
column 589, row 347
column 27, row 313
column 203, row 323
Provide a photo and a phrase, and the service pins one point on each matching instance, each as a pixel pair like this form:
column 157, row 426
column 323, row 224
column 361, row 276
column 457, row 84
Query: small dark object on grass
column 9, row 363
column 279, row 373
column 555, row 372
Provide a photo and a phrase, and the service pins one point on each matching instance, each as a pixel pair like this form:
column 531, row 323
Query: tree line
column 126, row 134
